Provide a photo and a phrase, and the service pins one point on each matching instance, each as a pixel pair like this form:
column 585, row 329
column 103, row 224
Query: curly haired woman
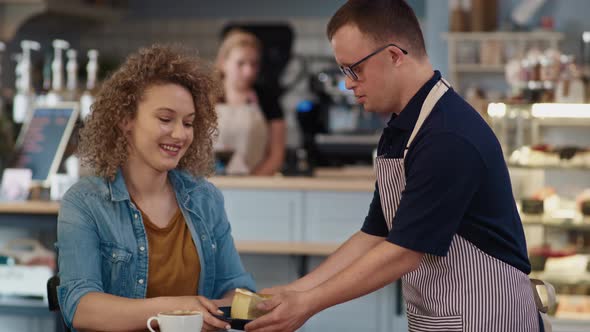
column 148, row 233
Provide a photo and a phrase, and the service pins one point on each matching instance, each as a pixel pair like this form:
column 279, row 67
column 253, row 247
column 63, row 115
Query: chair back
column 53, row 303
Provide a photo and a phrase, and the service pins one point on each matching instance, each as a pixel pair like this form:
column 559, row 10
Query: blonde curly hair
column 103, row 145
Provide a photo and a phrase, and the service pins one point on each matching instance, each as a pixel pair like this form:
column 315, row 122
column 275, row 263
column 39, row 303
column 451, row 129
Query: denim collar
column 407, row 118
column 182, row 182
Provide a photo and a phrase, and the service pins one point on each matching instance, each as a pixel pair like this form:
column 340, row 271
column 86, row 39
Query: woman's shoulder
column 88, row 186
column 197, row 186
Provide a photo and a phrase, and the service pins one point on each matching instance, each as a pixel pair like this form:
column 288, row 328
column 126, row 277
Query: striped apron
column 468, row 290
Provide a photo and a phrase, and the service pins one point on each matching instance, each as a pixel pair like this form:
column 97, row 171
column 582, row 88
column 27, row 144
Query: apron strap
column 550, row 295
column 543, row 309
column 439, row 89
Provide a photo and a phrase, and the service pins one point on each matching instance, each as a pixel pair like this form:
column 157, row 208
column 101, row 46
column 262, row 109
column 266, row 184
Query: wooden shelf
column 477, row 68
column 503, row 36
column 472, row 45
column 550, row 167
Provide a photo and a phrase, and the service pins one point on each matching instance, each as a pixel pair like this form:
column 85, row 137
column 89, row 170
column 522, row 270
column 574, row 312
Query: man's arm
column 382, row 265
column 372, row 233
column 356, row 246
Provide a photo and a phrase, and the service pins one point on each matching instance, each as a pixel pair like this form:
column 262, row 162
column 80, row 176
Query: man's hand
column 288, row 311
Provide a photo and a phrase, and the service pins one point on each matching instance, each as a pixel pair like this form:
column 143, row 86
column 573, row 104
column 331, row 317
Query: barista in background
column 250, row 124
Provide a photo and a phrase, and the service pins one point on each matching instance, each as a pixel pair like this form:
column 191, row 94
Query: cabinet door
column 375, row 312
column 270, row 270
column 30, row 322
column 334, row 216
column 264, row 215
column 569, row 325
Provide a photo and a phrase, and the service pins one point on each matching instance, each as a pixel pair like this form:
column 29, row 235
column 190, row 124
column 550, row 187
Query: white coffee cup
column 178, row 321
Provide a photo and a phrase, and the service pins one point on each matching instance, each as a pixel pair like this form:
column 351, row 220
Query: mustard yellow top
column 174, row 266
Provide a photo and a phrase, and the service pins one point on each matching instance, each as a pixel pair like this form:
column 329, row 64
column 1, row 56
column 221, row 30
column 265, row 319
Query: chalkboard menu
column 43, row 139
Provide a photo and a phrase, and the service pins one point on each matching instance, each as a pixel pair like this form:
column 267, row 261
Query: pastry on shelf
column 583, row 202
column 544, row 155
column 530, row 156
column 571, row 269
column 573, row 306
column 541, row 201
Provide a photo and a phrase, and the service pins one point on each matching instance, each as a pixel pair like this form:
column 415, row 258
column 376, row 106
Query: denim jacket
column 102, row 242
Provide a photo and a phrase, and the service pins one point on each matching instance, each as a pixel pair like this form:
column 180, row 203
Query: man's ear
column 396, row 55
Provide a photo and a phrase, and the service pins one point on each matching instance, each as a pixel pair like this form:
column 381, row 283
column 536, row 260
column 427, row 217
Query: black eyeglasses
column 348, row 71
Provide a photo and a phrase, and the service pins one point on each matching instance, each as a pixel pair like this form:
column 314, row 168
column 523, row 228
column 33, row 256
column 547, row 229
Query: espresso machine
column 336, row 131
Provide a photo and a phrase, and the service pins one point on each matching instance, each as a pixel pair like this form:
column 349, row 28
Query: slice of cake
column 244, row 304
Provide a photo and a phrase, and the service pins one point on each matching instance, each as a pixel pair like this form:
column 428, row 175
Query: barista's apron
column 468, row 290
column 244, row 131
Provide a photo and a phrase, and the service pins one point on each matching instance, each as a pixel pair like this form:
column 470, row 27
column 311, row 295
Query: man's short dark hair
column 384, row 21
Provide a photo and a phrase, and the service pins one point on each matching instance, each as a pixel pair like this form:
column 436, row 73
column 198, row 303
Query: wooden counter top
column 328, row 180
column 30, row 207
column 244, row 247
column 286, row 248
column 348, row 172
column 352, row 179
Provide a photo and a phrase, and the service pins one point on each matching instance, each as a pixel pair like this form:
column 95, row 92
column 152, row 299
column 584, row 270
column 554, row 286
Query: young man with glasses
column 443, row 218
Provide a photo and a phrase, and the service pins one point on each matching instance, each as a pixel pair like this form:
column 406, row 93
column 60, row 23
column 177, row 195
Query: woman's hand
column 208, row 308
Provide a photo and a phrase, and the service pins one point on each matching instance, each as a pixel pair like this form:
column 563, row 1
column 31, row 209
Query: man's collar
column 407, row 118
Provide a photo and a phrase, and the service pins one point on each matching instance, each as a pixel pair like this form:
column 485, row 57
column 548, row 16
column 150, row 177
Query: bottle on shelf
column 71, row 93
column 570, row 88
column 46, row 83
column 88, row 96
column 2, row 49
column 458, row 16
column 6, row 136
column 57, row 67
column 483, row 15
column 24, row 98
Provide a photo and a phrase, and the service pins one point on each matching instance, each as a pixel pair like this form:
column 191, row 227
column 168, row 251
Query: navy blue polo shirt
column 457, row 182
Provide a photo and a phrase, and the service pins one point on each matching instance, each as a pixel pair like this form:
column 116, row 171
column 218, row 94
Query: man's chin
column 369, row 108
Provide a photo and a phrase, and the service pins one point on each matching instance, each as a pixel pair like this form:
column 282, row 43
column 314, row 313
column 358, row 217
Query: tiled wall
column 116, row 40
column 121, row 38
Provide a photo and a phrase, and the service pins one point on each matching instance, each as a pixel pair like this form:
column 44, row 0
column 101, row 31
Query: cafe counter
column 283, row 227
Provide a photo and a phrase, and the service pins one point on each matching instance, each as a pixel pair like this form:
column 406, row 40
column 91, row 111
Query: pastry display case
column 547, row 148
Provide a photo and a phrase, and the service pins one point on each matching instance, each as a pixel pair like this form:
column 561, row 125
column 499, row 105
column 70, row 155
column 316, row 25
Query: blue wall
column 435, row 23
column 570, row 17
